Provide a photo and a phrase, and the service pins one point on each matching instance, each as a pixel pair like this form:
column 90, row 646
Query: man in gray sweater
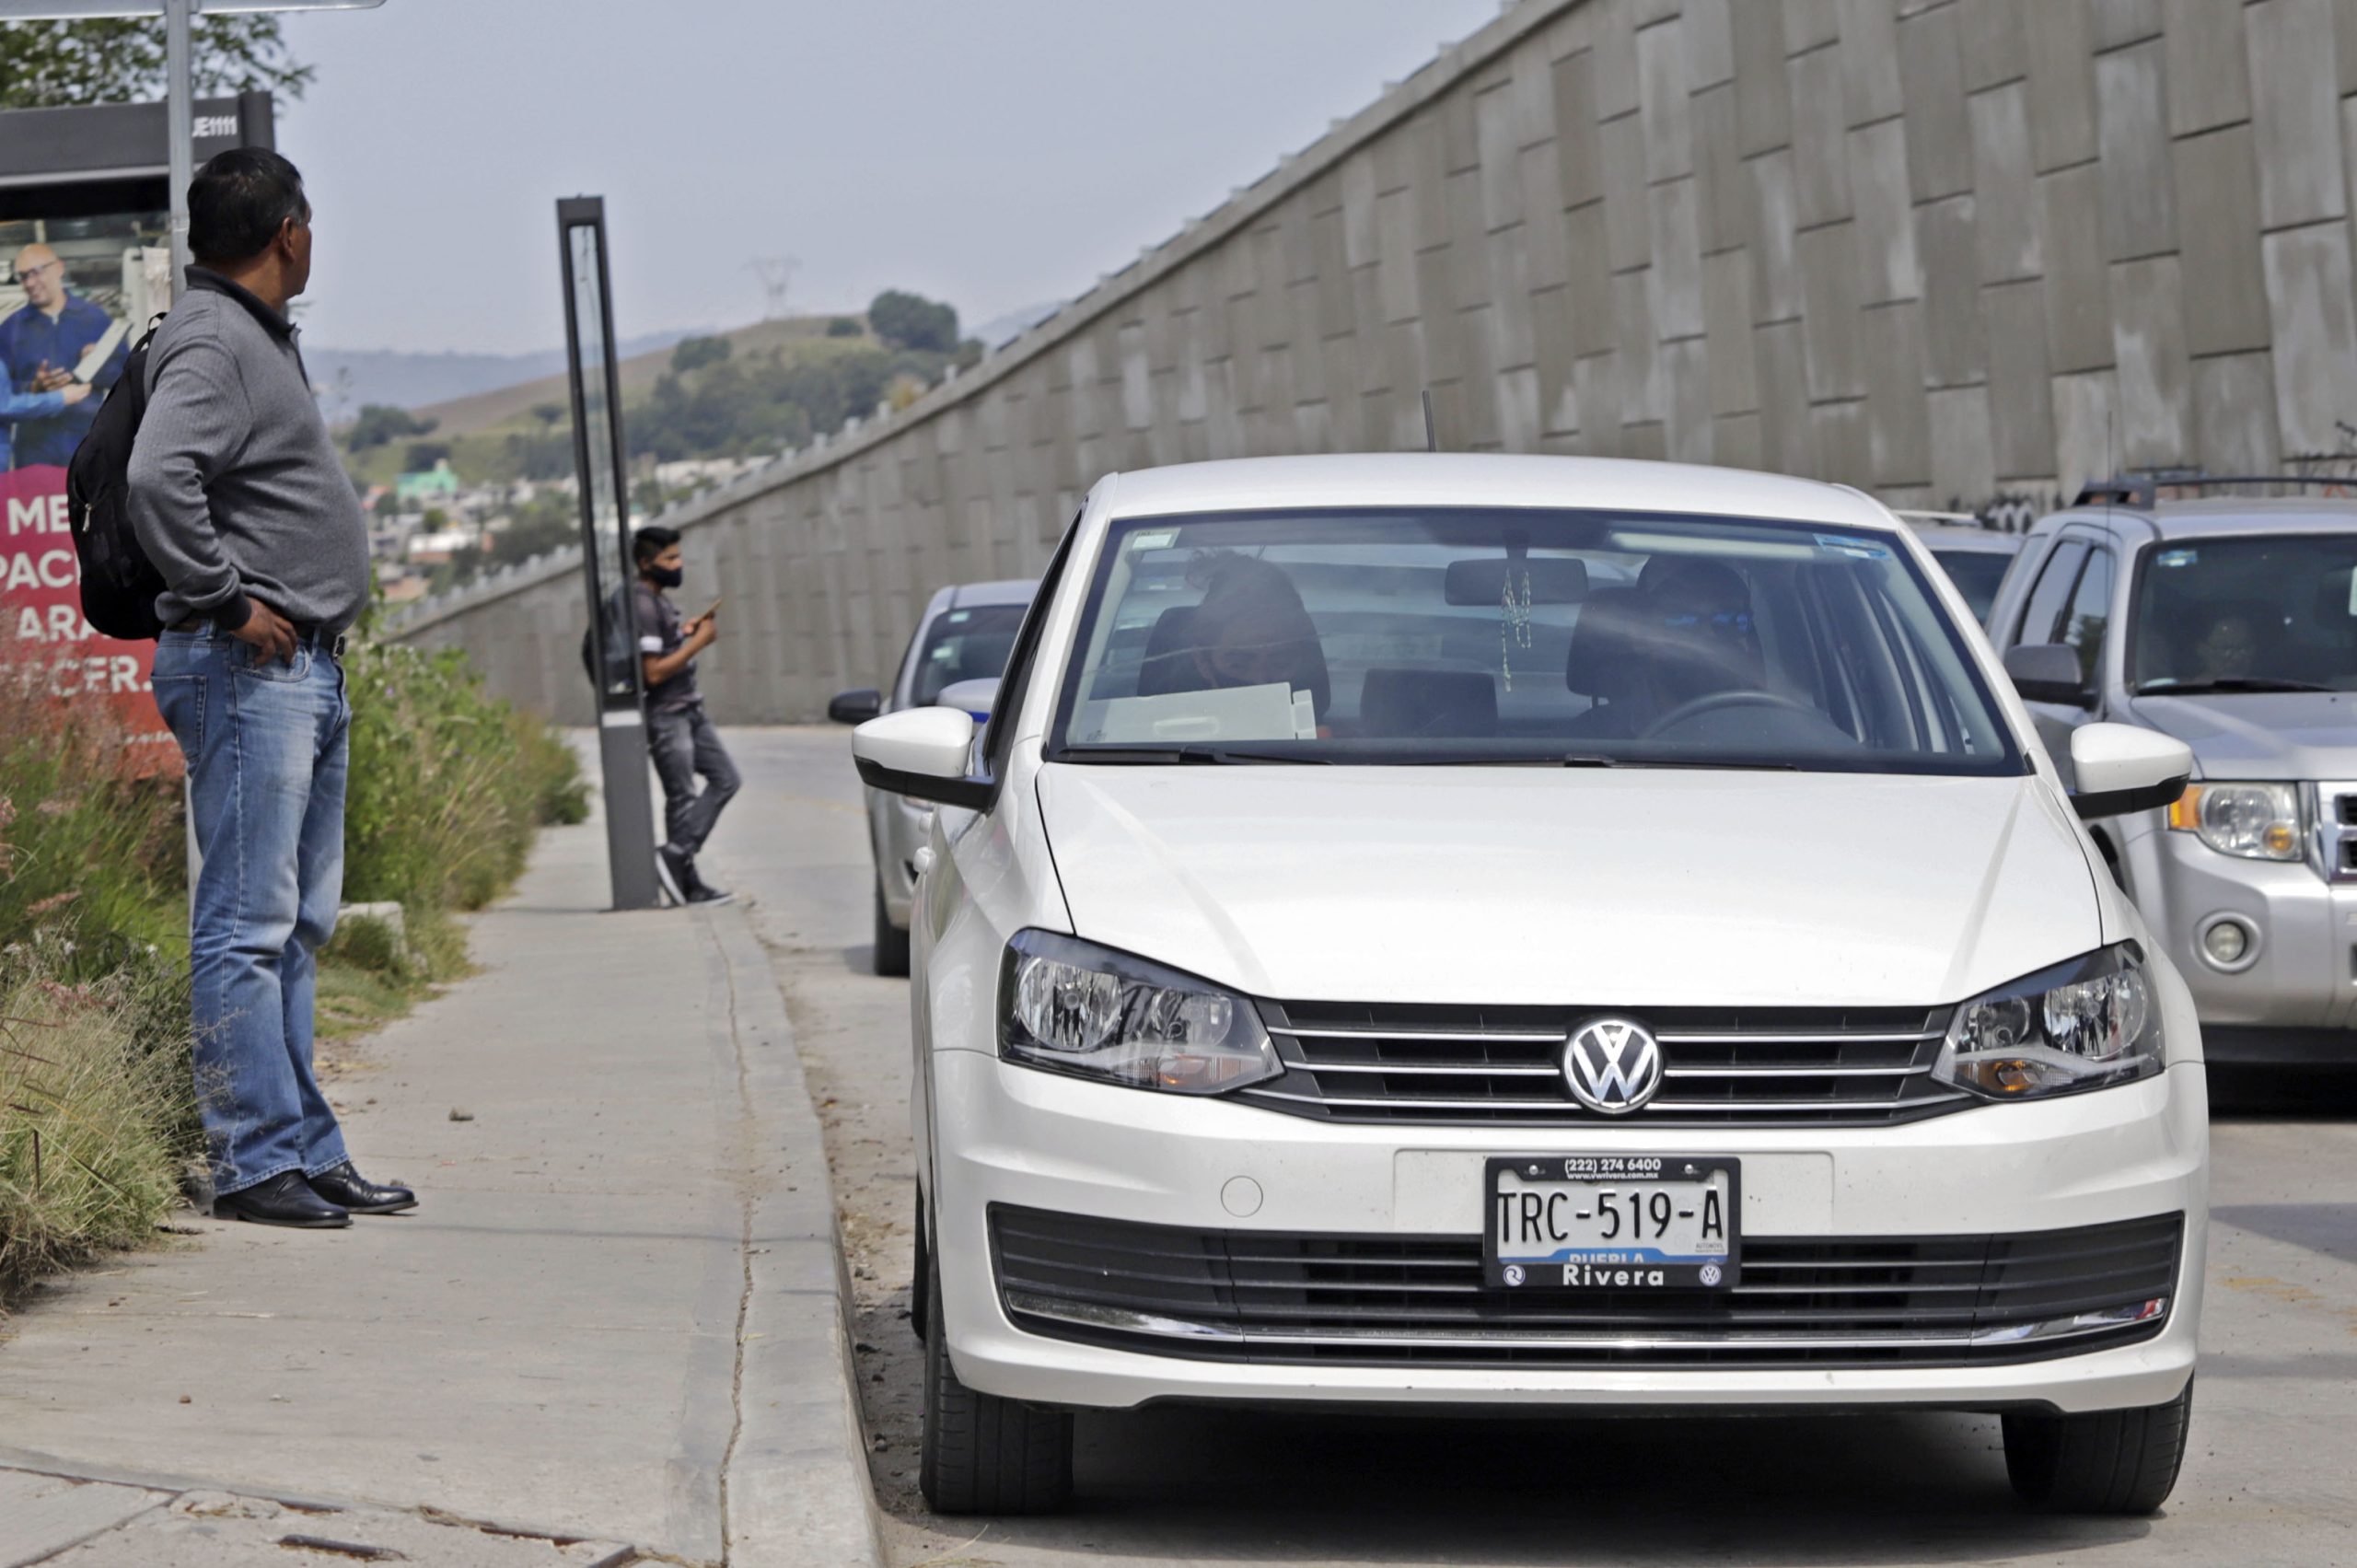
column 240, row 502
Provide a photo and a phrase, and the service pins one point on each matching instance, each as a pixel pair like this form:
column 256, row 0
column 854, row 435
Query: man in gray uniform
column 240, row 502
column 679, row 734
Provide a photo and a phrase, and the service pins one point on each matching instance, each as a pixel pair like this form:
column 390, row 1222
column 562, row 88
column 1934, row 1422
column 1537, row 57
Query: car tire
column 921, row 1277
column 2104, row 1462
column 982, row 1454
column 892, row 942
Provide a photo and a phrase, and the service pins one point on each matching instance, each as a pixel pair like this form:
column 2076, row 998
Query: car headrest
column 1444, row 703
column 1605, row 655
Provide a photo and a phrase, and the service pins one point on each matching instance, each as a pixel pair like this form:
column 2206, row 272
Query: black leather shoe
column 348, row 1189
column 284, row 1199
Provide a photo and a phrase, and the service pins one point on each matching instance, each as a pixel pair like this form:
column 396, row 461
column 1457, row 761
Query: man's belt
column 311, row 635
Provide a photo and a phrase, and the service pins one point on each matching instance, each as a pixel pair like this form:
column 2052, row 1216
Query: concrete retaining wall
column 1952, row 251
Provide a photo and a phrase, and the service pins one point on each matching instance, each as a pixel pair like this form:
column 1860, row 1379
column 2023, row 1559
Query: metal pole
column 598, row 451
column 180, row 109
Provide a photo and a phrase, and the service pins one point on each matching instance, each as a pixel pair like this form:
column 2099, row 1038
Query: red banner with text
column 41, row 628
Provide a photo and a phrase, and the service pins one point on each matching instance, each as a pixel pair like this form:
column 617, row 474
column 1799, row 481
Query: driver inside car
column 1700, row 641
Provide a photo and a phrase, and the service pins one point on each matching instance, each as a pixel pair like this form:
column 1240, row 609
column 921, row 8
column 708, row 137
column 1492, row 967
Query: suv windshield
column 964, row 644
column 1577, row 637
column 2247, row 613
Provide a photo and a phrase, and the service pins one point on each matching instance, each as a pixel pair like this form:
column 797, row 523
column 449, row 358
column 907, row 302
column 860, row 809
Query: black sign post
column 605, row 568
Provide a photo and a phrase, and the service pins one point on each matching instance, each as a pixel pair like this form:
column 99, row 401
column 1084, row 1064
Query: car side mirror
column 974, row 696
column 855, row 707
column 2048, row 672
column 922, row 752
column 2123, row 767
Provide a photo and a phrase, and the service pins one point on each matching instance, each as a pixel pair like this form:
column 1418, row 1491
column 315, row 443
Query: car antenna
column 1431, row 433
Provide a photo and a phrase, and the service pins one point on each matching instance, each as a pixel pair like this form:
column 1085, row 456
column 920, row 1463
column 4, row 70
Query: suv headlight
column 2082, row 1025
column 2258, row 822
column 1072, row 1006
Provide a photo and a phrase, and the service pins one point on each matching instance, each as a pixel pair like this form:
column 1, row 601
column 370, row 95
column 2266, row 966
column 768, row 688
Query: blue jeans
column 267, row 746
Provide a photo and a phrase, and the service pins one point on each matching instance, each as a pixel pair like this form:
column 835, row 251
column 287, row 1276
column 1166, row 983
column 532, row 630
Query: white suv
column 1537, row 932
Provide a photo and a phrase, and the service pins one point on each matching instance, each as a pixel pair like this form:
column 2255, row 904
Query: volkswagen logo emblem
column 1613, row 1065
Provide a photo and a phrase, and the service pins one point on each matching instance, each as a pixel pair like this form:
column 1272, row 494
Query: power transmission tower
column 776, row 275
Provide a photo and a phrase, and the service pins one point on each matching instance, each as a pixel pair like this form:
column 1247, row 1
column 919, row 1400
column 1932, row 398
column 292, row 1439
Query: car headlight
column 2082, row 1025
column 2258, row 822
column 1072, row 1006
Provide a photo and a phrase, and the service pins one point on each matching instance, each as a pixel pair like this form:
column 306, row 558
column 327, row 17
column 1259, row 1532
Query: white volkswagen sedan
column 1495, row 930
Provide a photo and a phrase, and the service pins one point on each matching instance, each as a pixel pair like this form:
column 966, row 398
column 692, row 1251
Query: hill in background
column 354, row 377
column 746, row 394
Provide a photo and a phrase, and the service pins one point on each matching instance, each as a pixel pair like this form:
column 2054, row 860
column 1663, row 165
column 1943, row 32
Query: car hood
column 1575, row 887
column 2261, row 735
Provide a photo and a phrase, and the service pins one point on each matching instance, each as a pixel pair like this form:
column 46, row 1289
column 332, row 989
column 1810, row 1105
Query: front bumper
column 2294, row 999
column 1022, row 1139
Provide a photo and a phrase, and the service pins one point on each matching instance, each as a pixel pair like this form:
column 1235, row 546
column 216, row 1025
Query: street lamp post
column 179, row 71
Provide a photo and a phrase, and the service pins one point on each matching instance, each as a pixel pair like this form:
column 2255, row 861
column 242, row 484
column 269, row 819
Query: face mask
column 666, row 576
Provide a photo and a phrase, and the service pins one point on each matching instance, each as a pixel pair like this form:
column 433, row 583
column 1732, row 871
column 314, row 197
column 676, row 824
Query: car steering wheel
column 1716, row 700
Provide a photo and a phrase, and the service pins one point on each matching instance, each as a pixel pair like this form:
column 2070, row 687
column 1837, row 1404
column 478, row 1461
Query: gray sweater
column 236, row 489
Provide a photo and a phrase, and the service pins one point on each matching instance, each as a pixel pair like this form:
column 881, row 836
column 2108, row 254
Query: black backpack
column 615, row 626
column 119, row 583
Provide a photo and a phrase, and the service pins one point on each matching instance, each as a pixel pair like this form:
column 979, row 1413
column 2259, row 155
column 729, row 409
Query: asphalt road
column 2268, row 1480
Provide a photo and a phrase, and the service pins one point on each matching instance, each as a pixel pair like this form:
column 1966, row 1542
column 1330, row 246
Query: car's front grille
column 1392, row 1300
column 1723, row 1066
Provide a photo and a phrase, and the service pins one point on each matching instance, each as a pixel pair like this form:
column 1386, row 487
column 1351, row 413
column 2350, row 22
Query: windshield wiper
column 2174, row 687
column 1169, row 755
column 1751, row 765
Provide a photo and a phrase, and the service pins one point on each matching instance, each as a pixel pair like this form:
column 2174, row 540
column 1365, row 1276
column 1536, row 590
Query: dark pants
column 685, row 743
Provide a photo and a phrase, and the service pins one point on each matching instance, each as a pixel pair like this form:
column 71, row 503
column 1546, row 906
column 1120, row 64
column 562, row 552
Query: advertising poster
column 74, row 294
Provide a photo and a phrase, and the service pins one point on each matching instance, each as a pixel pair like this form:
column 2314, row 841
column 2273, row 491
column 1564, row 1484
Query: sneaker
column 673, row 870
column 701, row 891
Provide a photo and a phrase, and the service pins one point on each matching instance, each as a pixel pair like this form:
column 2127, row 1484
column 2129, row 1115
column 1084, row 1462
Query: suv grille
column 1754, row 1067
column 1392, row 1300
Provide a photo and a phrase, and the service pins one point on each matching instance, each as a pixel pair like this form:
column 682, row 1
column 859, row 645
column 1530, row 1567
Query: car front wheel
column 982, row 1454
column 892, row 942
column 2103, row 1462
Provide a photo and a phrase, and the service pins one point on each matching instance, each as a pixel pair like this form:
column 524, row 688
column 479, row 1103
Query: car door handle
column 923, row 859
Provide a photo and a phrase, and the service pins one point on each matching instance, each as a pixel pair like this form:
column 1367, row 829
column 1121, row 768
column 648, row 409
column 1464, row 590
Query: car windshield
column 2247, row 613
column 1450, row 635
column 1976, row 573
column 964, row 644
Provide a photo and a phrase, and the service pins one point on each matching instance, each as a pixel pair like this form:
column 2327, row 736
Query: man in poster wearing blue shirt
column 40, row 347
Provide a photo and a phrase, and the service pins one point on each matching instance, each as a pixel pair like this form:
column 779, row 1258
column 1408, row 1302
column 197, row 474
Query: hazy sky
column 994, row 152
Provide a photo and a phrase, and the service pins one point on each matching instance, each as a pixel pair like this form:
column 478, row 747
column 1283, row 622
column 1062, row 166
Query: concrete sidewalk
column 615, row 1318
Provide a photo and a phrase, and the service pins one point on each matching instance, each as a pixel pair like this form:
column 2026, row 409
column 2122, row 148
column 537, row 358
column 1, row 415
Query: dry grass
column 94, row 1124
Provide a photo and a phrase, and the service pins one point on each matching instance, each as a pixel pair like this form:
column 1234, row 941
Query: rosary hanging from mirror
column 1513, row 617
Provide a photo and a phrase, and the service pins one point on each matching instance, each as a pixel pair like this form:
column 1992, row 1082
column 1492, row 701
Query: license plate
column 1612, row 1222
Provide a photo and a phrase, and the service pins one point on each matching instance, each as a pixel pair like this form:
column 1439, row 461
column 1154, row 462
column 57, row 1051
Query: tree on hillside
column 911, row 321
column 844, row 327
column 545, row 523
column 54, row 65
column 548, row 415
column 692, row 355
column 379, row 425
column 422, row 454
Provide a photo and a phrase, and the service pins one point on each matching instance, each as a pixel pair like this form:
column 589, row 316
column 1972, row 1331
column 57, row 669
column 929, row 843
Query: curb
column 796, row 1487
